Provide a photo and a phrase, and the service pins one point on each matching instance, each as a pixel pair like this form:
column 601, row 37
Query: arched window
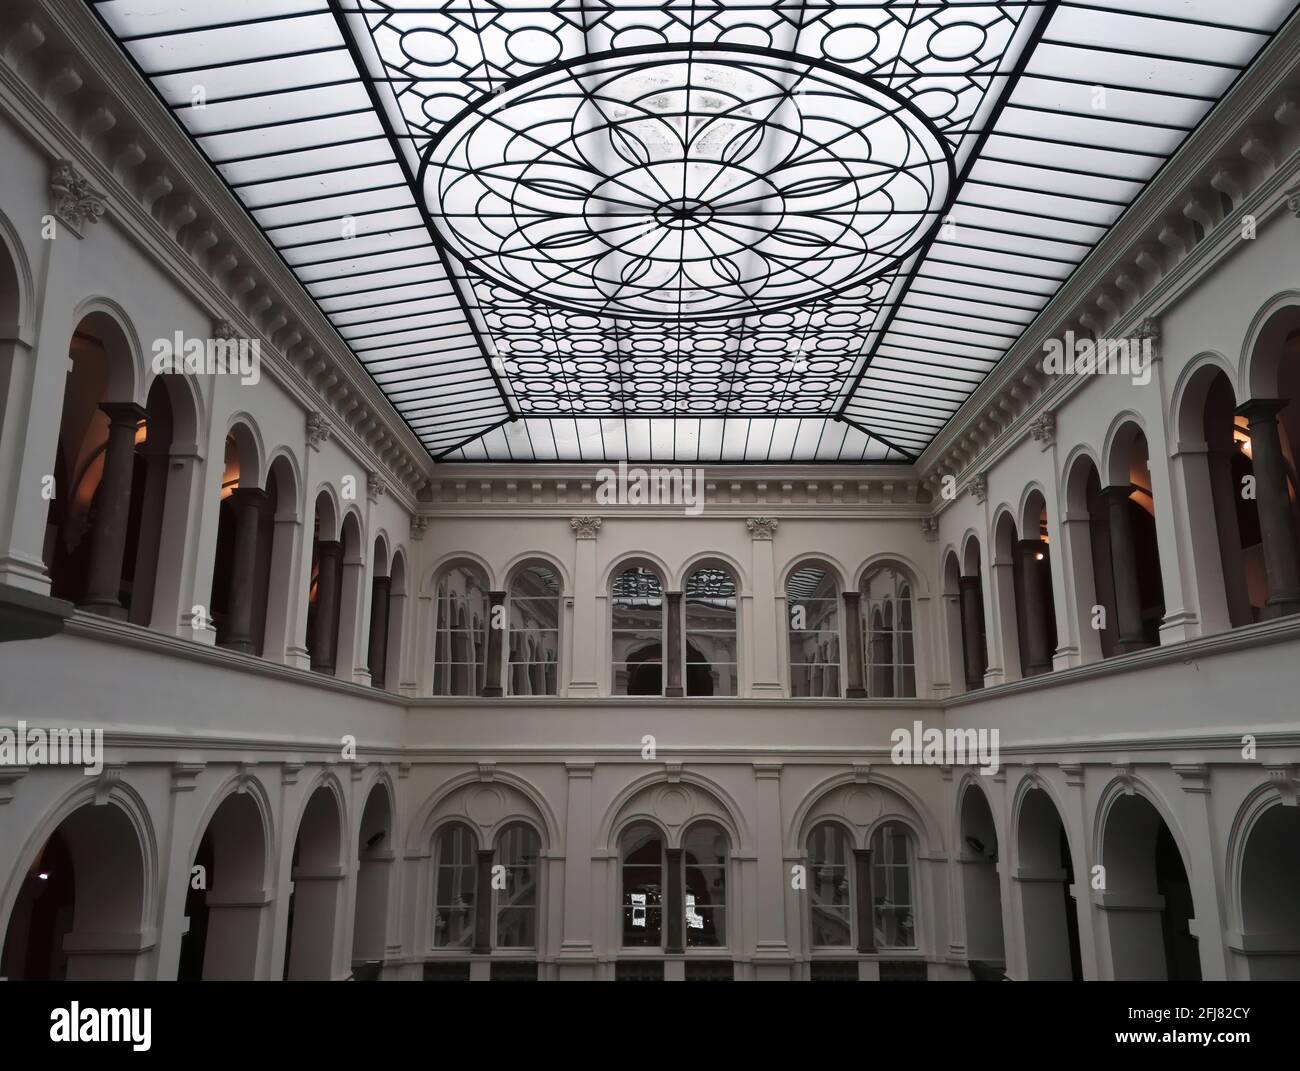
column 704, row 857
column 830, row 886
column 891, row 887
column 813, row 606
column 516, row 904
column 637, row 639
column 887, row 614
column 643, row 886
column 534, row 632
column 460, row 642
column 710, row 632
column 454, row 884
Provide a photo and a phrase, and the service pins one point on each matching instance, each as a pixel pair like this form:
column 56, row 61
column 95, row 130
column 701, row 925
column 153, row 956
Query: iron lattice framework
column 688, row 230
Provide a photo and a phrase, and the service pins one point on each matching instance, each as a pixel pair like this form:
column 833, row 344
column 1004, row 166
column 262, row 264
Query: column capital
column 1261, row 409
column 585, row 527
column 762, row 527
column 124, row 414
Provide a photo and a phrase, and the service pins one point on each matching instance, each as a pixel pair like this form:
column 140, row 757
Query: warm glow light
column 1038, row 557
column 1243, row 441
column 43, row 876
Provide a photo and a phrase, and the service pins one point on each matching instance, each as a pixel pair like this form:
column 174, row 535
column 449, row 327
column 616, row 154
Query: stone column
column 1276, row 520
column 674, row 915
column 483, row 902
column 378, row 646
column 673, row 645
column 864, row 901
column 277, row 639
column 1035, row 608
column 492, row 669
column 149, row 542
column 1226, row 548
column 1123, row 563
column 855, row 685
column 248, row 503
column 329, row 555
column 971, row 598
column 108, row 539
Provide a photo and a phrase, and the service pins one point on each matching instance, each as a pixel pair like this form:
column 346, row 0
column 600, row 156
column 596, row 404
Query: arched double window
column 838, row 878
column 892, row 887
column 887, row 630
column 534, row 657
column 637, row 636
column 813, row 619
column 711, row 633
column 460, row 634
column 455, row 888
column 674, row 898
column 830, row 886
column 507, row 882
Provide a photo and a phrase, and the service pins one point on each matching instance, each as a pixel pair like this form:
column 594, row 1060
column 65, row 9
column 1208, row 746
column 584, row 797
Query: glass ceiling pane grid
column 433, row 66
column 1081, row 150
column 315, row 168
column 1054, row 171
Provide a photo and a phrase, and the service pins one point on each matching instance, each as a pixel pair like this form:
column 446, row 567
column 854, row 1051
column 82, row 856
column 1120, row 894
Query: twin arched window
column 836, row 879
column 711, row 661
column 685, row 886
column 887, row 618
column 460, row 632
column 639, row 637
column 813, row 609
column 533, row 666
column 509, row 878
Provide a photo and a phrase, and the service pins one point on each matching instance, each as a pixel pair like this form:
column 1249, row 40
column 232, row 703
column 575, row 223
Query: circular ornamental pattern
column 686, row 184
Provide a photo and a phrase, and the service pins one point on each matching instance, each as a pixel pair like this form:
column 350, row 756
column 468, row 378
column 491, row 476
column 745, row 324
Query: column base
column 1179, row 627
column 26, row 615
column 26, row 573
column 1281, row 606
column 297, row 658
column 242, row 646
column 767, row 691
column 855, row 693
column 1130, row 646
column 492, row 691
column 110, row 608
column 1066, row 658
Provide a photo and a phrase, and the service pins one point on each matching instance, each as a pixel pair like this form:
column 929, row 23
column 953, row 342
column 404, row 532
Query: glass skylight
column 593, row 230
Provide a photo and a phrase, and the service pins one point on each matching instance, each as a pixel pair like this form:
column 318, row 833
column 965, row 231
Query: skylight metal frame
column 411, row 310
